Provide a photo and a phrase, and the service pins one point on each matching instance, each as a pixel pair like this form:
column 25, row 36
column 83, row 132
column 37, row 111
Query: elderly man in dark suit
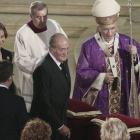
column 13, row 114
column 52, row 88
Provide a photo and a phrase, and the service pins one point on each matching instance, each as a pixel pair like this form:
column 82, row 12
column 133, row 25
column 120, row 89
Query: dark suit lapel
column 58, row 73
column 68, row 73
column 6, row 54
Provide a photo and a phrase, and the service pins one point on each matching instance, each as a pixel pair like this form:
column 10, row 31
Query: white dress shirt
column 4, row 86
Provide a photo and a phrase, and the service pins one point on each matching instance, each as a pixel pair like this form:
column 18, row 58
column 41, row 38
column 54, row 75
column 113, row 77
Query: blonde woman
column 114, row 129
column 36, row 129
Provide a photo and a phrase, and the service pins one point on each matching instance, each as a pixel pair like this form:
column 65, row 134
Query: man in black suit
column 13, row 114
column 52, row 88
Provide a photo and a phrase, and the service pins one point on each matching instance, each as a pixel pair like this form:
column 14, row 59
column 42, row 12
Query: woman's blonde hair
column 114, row 129
column 36, row 129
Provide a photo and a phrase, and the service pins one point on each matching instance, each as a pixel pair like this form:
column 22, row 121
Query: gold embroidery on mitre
column 107, row 20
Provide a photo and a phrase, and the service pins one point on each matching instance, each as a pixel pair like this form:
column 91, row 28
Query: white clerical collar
column 55, row 60
column 102, row 44
column 108, row 43
column 4, row 86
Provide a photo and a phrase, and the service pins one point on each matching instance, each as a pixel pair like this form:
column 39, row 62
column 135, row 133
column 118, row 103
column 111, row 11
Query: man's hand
column 133, row 50
column 109, row 78
column 65, row 131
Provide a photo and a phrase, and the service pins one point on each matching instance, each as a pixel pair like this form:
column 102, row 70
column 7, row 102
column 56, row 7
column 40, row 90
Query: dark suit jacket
column 51, row 93
column 13, row 115
column 6, row 55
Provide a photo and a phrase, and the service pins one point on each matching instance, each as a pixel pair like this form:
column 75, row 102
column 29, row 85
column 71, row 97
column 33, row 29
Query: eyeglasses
column 41, row 17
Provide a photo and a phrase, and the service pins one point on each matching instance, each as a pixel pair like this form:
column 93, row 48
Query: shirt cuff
column 60, row 127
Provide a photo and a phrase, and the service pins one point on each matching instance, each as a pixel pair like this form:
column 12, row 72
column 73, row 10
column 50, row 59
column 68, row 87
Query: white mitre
column 106, row 12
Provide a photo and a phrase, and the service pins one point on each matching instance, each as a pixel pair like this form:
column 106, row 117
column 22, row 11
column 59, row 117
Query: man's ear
column 51, row 49
column 30, row 15
column 10, row 78
column 98, row 28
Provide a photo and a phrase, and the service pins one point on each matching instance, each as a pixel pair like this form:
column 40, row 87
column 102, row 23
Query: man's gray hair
column 39, row 5
column 53, row 42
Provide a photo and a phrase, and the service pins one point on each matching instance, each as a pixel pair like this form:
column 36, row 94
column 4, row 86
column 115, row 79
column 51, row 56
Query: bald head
column 55, row 39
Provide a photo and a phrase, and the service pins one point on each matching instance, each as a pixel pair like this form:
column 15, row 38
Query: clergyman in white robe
column 30, row 50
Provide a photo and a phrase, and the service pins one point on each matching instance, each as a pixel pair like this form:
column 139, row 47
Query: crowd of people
column 103, row 76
